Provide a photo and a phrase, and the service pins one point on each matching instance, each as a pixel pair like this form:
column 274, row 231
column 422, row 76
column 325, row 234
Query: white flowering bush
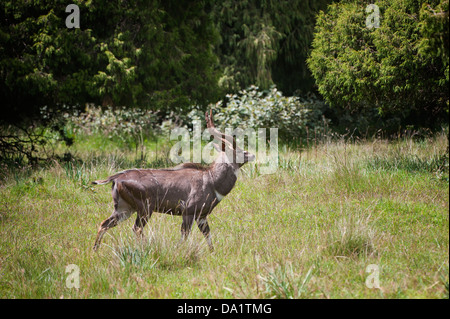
column 294, row 117
column 127, row 125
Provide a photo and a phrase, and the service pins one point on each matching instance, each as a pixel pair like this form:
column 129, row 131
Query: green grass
column 307, row 231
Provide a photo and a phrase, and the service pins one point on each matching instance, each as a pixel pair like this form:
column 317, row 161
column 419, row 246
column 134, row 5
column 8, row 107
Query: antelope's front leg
column 186, row 226
column 202, row 224
column 138, row 227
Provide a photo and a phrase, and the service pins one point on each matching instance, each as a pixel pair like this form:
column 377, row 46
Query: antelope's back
column 164, row 190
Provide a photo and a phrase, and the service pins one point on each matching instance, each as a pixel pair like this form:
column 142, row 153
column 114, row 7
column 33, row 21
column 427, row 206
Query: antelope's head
column 229, row 151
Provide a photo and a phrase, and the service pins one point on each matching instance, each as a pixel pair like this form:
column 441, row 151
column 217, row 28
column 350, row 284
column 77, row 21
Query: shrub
column 399, row 69
column 254, row 108
column 130, row 126
column 282, row 283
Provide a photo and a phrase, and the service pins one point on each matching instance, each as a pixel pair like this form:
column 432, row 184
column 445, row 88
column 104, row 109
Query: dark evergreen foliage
column 177, row 56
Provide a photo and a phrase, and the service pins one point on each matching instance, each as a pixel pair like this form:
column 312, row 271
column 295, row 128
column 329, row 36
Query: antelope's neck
column 224, row 176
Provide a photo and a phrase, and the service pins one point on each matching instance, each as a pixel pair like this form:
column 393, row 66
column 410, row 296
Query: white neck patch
column 219, row 196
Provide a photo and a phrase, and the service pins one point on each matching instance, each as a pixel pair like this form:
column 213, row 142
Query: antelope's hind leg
column 122, row 211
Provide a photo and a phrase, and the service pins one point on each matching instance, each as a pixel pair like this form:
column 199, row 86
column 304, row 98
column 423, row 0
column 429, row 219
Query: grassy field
column 310, row 230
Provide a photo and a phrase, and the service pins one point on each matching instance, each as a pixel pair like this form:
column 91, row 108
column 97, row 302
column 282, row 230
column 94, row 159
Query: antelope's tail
column 108, row 180
column 102, row 181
